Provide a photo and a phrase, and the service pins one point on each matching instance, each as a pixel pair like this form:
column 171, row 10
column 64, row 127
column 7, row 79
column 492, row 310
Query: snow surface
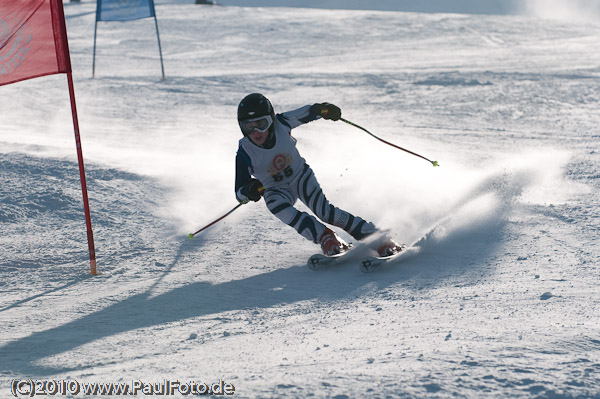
column 571, row 10
column 500, row 298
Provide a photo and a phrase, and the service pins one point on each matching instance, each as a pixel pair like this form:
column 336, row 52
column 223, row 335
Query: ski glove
column 253, row 190
column 328, row 111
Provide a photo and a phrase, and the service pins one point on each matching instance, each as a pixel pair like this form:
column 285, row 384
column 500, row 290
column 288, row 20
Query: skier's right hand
column 253, row 190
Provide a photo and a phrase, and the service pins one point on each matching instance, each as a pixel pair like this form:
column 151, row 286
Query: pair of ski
column 368, row 264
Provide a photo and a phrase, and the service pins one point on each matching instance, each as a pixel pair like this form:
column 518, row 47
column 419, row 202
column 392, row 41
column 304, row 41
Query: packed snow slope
column 499, row 299
column 436, row 6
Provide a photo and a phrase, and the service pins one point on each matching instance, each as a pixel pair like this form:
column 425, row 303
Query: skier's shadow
column 281, row 286
column 278, row 287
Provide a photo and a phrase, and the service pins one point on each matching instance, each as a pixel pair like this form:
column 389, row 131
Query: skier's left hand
column 329, row 111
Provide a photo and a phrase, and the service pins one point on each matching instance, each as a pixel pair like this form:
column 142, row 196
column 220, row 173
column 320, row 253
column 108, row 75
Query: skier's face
column 258, row 138
column 257, row 129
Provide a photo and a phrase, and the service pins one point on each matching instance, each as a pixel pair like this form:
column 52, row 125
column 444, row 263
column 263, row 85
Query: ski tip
column 191, row 236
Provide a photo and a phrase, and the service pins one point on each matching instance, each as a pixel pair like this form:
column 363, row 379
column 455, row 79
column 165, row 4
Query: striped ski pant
column 280, row 201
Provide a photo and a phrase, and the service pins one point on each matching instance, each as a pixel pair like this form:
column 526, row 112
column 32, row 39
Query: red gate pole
column 59, row 22
column 86, row 205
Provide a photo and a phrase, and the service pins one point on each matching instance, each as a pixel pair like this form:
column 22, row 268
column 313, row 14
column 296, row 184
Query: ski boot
column 389, row 247
column 331, row 243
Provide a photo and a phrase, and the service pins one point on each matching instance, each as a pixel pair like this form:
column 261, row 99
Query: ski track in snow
column 498, row 297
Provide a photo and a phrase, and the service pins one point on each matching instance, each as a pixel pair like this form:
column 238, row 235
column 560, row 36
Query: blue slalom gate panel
column 124, row 10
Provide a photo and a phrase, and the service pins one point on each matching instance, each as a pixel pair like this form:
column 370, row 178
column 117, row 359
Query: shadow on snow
column 479, row 239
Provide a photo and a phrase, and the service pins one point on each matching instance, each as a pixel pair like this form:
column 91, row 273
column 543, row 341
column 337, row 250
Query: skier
column 268, row 152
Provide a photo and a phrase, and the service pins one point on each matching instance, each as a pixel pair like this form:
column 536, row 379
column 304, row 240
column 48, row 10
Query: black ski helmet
column 253, row 106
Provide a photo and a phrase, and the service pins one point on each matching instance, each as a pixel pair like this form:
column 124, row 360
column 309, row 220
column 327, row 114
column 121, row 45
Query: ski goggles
column 260, row 124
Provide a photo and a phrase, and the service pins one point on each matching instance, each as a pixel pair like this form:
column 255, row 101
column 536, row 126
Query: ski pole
column 434, row 163
column 192, row 235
